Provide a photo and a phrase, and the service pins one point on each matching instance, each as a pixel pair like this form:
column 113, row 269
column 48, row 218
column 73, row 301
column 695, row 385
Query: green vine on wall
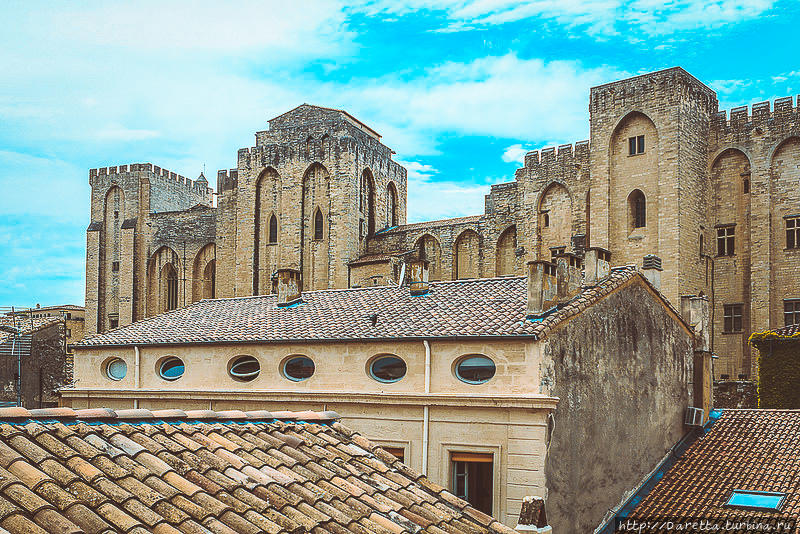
column 778, row 369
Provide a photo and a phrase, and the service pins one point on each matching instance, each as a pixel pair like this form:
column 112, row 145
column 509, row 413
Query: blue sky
column 459, row 89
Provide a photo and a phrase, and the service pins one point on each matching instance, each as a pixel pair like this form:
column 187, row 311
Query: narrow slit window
column 273, row 229
column 319, row 225
column 746, row 186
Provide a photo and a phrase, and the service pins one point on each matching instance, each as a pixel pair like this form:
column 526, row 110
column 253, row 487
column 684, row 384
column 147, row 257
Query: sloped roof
column 490, row 307
column 171, row 471
column 26, row 325
column 434, row 224
column 790, row 333
column 755, row 450
column 336, row 110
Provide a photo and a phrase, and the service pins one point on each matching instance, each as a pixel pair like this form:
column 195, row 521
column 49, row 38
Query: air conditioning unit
column 694, row 416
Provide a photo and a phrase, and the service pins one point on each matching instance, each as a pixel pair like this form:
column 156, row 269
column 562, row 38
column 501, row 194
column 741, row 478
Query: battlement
column 564, row 154
column 165, row 176
column 227, row 180
column 782, row 110
column 669, row 85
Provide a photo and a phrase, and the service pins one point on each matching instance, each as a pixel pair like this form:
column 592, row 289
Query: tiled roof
column 755, row 450
column 26, row 325
column 171, row 471
column 45, row 308
column 459, row 309
column 434, row 224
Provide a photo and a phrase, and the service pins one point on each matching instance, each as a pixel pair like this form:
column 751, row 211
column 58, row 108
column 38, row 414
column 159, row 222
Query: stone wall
column 622, row 371
column 45, row 367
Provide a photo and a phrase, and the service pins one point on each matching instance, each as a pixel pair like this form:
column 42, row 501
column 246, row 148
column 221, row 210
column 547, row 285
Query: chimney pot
column 568, row 271
column 598, row 265
column 289, row 286
column 532, row 516
column 651, row 269
column 418, row 277
column 541, row 287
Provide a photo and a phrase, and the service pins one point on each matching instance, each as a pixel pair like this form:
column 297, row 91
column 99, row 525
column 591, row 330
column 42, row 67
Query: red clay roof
column 755, row 450
column 459, row 309
column 171, row 471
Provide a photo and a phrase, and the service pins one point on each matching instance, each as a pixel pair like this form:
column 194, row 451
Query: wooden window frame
column 733, row 318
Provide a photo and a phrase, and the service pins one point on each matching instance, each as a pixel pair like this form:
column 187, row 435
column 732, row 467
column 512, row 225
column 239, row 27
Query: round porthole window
column 298, row 368
column 387, row 368
column 116, row 369
column 244, row 368
column 171, row 368
column 475, row 369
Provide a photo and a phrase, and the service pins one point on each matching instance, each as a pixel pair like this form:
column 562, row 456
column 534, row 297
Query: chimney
column 651, row 269
column 541, row 287
column 695, row 311
column 289, row 287
column 418, row 277
column 532, row 517
column 597, row 265
column 568, row 276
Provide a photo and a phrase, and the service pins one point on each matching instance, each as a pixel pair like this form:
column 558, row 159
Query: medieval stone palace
column 714, row 195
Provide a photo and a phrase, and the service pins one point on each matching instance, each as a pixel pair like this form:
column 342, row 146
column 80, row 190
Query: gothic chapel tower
column 317, row 184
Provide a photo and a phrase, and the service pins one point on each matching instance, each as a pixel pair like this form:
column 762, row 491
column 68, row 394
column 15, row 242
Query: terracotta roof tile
column 745, row 450
column 463, row 308
column 139, row 471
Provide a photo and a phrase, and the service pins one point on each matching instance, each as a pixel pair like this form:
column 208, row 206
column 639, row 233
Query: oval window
column 387, row 368
column 116, row 369
column 475, row 369
column 244, row 368
column 298, row 368
column 171, row 368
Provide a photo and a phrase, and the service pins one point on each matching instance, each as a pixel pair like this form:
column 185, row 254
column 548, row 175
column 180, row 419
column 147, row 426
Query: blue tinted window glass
column 756, row 499
column 171, row 369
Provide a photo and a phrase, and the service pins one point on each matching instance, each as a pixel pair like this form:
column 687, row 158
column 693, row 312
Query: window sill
column 272, row 244
column 725, row 256
column 636, row 235
column 732, row 333
column 637, row 154
column 792, row 249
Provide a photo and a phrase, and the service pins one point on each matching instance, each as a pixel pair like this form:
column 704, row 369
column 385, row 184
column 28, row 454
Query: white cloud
column 440, row 199
column 500, row 96
column 597, row 17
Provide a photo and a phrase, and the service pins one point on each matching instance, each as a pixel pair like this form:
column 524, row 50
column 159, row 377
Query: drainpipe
column 136, row 367
column 426, row 415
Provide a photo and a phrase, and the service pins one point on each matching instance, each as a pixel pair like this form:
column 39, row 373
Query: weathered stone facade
column 319, row 192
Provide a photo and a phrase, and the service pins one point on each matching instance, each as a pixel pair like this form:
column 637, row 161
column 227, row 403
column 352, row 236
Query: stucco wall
column 622, row 371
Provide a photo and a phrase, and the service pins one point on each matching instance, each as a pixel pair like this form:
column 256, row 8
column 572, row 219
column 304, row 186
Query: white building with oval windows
column 495, row 388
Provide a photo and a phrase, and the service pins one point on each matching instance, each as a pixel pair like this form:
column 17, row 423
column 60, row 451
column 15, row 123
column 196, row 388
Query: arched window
column 319, row 227
column 546, row 220
column 273, row 229
column 391, row 205
column 172, row 287
column 638, row 209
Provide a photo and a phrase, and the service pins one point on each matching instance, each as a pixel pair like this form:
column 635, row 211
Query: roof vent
column 598, row 264
column 532, row 517
column 651, row 269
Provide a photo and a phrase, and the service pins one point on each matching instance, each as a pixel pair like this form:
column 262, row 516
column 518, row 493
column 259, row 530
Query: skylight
column 756, row 500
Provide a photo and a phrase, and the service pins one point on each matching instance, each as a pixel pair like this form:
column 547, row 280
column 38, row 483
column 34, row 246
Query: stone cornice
column 407, row 399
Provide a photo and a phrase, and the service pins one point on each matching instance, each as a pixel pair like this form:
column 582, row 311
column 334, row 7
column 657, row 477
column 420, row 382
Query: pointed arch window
column 172, row 288
column 391, row 205
column 273, row 229
column 638, row 209
column 319, row 225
